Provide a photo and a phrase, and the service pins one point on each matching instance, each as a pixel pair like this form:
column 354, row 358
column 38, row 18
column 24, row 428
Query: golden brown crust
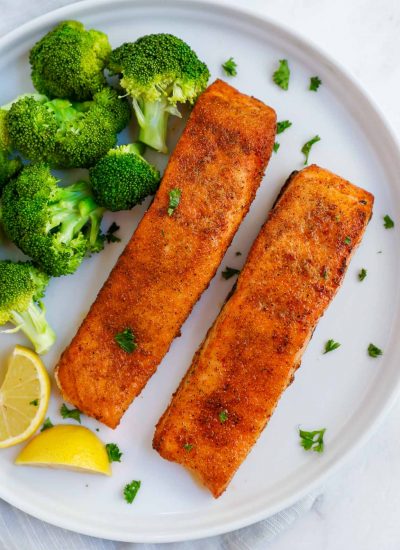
column 252, row 351
column 218, row 165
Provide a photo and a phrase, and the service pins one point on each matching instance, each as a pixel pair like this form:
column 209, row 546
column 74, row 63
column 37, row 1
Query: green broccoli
column 68, row 62
column 21, row 287
column 9, row 167
column 65, row 134
column 158, row 71
column 55, row 226
column 123, row 178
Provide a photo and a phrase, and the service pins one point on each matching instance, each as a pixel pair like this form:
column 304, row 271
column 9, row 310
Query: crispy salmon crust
column 218, row 165
column 252, row 351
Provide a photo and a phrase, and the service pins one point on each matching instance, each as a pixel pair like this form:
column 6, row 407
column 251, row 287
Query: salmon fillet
column 252, row 351
column 218, row 165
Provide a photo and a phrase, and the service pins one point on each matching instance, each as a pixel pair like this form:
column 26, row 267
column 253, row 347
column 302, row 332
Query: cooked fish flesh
column 251, row 353
column 217, row 165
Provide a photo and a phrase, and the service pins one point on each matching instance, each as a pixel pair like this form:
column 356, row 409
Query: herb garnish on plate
column 282, row 74
column 230, row 67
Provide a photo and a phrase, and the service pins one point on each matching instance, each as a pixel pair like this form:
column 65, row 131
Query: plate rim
column 252, row 16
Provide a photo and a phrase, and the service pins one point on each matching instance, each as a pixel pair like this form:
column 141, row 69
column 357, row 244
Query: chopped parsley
column 230, row 272
column 347, row 240
column 306, row 149
column 325, row 273
column 126, row 340
column 114, row 454
column 110, row 235
column 174, row 199
column 362, row 274
column 131, row 490
column 35, row 402
column 315, row 83
column 312, row 441
column 282, row 74
column 188, row 447
column 388, row 222
column 282, row 126
column 223, row 416
column 331, row 345
column 276, row 146
column 75, row 414
column 47, row 424
column 374, row 351
column 230, row 67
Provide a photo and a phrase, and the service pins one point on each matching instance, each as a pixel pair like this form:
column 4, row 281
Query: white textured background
column 359, row 507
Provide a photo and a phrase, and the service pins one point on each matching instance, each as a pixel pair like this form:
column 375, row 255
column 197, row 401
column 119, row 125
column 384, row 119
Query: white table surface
column 359, row 507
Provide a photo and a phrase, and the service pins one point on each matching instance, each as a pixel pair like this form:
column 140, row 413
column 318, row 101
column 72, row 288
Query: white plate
column 344, row 391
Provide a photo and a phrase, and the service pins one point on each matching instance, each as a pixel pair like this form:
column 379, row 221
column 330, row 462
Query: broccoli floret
column 5, row 141
column 68, row 62
column 55, row 226
column 123, row 178
column 9, row 166
column 21, row 287
column 158, row 71
column 65, row 134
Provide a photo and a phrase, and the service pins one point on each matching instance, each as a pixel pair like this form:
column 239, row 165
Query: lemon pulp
column 66, row 446
column 24, row 397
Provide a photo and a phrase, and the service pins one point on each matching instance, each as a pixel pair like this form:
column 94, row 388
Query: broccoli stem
column 33, row 324
column 152, row 117
column 133, row 148
column 96, row 241
column 74, row 209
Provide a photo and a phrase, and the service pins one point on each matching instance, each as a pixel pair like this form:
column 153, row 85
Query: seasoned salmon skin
column 252, row 351
column 217, row 166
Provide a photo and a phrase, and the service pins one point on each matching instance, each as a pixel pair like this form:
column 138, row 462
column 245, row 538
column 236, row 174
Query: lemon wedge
column 68, row 447
column 24, row 397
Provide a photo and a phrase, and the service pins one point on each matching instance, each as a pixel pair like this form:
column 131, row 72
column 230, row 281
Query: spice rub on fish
column 217, row 166
column 252, row 351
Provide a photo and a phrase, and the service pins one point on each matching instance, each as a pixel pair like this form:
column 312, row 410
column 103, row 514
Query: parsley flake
column 306, row 149
column 126, row 340
column 388, row 222
column 114, row 454
column 362, row 274
column 315, row 83
column 188, row 447
column 174, row 200
column 75, row 414
column 347, row 240
column 110, row 235
column 331, row 345
column 238, row 253
column 47, row 424
column 223, row 416
column 276, row 146
column 312, row 441
column 282, row 126
column 230, row 272
column 131, row 490
column 230, row 67
column 374, row 351
column 282, row 74
column 35, row 402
